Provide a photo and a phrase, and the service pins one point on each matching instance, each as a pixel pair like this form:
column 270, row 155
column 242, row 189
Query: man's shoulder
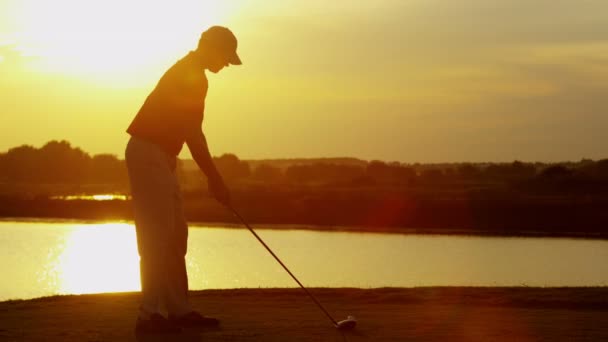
column 185, row 73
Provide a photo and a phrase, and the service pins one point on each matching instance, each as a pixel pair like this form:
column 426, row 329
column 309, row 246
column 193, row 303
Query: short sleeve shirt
column 176, row 105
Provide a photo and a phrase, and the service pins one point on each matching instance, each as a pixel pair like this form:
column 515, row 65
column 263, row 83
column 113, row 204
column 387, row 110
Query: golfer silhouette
column 171, row 116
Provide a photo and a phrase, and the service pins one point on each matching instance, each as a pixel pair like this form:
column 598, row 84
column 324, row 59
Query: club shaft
column 282, row 264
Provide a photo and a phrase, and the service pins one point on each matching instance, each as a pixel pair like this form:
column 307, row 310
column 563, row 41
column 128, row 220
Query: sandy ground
column 391, row 314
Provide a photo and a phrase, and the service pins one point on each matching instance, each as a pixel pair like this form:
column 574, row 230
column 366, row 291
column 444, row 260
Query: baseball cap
column 222, row 39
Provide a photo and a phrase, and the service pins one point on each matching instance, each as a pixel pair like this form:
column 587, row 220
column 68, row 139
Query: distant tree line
column 57, row 162
column 559, row 199
column 586, row 175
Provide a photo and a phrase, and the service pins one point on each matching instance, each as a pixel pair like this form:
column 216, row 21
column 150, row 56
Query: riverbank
column 349, row 229
column 383, row 210
column 389, row 314
column 566, row 199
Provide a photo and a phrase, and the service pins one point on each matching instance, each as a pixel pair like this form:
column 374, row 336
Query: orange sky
column 414, row 81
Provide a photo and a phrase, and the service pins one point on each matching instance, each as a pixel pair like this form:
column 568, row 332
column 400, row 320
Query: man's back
column 163, row 118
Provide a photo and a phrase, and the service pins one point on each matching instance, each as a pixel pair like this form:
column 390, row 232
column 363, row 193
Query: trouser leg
column 151, row 191
column 153, row 247
column 177, row 287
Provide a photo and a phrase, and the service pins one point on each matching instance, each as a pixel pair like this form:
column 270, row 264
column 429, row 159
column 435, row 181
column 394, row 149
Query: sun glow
column 112, row 37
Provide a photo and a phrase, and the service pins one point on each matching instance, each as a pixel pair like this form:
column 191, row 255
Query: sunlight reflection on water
column 47, row 258
column 99, row 258
column 98, row 197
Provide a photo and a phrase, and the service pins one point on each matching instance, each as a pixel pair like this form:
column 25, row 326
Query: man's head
column 219, row 46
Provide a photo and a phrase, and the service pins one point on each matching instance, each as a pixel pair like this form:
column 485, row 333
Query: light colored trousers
column 162, row 231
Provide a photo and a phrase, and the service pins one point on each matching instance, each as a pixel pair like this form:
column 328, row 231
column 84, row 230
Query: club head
column 348, row 324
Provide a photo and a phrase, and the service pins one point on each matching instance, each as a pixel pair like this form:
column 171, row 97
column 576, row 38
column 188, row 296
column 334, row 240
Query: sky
column 394, row 80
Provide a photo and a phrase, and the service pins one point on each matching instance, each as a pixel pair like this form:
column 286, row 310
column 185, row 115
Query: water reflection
column 98, row 197
column 99, row 258
column 47, row 258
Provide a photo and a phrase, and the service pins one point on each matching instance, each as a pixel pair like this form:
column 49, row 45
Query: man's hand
column 219, row 190
column 197, row 143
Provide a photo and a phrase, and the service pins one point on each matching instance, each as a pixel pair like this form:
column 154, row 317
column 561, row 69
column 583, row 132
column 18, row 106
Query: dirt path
column 421, row 314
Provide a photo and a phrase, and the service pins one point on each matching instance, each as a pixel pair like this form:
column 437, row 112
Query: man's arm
column 197, row 144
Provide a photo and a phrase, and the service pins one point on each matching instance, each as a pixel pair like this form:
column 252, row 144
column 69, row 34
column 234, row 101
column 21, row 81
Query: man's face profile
column 217, row 61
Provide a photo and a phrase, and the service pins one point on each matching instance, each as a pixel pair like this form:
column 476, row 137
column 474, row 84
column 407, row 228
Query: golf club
column 348, row 324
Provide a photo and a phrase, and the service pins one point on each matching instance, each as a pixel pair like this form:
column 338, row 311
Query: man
column 171, row 116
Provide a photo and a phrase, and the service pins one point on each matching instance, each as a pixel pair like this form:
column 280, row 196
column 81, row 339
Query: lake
column 41, row 258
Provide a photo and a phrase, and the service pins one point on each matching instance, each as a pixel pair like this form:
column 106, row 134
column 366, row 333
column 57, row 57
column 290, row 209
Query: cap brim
column 235, row 59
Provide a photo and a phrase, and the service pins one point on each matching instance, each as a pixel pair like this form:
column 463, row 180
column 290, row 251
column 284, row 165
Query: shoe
column 156, row 324
column 194, row 319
